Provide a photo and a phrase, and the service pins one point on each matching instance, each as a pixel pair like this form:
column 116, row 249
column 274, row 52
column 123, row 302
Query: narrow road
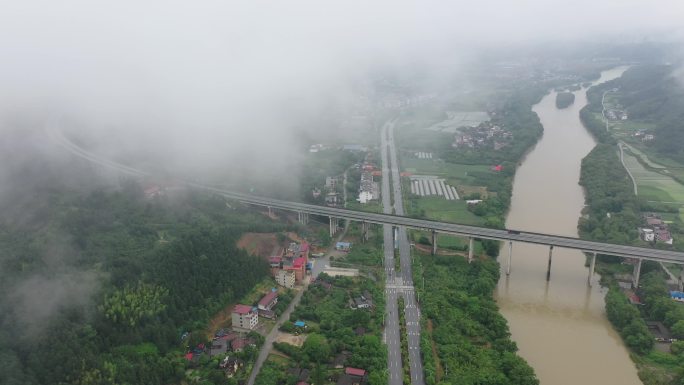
column 271, row 337
column 622, row 160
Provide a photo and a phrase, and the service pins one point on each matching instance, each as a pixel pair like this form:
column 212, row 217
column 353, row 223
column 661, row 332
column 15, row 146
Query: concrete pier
column 548, row 269
column 592, row 265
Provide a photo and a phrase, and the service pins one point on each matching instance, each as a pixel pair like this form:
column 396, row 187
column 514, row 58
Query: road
column 392, row 329
column 398, row 220
column 404, row 285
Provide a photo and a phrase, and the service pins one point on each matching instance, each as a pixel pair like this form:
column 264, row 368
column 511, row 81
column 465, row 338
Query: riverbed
column 560, row 326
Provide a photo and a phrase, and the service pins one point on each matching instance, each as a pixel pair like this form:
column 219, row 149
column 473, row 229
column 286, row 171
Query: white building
column 365, row 197
column 285, row 278
column 647, row 234
column 245, row 317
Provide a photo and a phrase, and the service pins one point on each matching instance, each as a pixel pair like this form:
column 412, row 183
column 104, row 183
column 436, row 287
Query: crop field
column 653, row 185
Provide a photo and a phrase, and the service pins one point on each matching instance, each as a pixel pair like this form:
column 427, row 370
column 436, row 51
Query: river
column 560, row 326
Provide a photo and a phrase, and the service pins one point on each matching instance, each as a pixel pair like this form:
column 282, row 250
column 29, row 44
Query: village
column 656, row 230
column 484, row 136
column 276, row 318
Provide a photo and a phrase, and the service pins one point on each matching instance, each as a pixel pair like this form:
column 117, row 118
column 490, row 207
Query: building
column 677, row 296
column 343, row 246
column 245, row 317
column 353, row 376
column 365, row 197
column 285, row 278
column 269, row 300
column 647, row 234
column 364, row 301
column 330, row 183
column 239, row 344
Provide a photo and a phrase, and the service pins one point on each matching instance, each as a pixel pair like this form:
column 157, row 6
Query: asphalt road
column 405, row 287
column 392, row 329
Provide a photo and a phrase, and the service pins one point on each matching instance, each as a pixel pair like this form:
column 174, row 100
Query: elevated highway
column 398, row 220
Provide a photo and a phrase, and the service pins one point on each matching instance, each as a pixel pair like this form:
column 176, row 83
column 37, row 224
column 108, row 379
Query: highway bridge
column 640, row 253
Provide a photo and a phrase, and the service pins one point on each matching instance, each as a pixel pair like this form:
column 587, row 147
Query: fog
column 222, row 85
column 229, row 88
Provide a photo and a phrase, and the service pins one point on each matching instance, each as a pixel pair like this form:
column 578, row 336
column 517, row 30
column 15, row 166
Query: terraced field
column 653, row 185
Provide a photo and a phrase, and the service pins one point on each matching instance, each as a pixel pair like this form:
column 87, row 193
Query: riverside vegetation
column 613, row 214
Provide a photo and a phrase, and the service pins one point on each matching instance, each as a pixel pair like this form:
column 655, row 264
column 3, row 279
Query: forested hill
column 655, row 94
column 104, row 283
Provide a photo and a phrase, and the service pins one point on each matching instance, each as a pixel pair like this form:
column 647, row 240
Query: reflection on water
column 560, row 325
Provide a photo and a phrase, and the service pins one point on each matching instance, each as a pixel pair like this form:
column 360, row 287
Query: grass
column 448, row 211
column 372, row 207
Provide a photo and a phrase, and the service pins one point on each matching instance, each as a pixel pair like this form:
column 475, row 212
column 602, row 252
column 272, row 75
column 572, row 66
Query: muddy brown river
column 560, row 326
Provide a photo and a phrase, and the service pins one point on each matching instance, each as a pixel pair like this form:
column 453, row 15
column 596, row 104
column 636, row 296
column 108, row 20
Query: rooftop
column 355, row 372
column 242, row 309
column 268, row 298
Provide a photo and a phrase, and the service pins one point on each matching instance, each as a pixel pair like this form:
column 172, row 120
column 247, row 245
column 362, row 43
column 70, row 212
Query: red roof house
column 269, row 300
column 242, row 309
column 355, row 372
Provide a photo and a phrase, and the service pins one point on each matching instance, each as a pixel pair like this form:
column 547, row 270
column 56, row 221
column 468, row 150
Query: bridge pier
column 365, row 229
column 302, row 217
column 471, row 248
column 510, row 257
column 636, row 274
column 592, row 265
column 434, row 242
column 548, row 268
column 270, row 211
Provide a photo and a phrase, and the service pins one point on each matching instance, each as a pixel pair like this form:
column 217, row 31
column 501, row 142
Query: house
column 677, row 296
column 654, row 221
column 245, row 317
column 218, row 346
column 353, row 376
column 239, row 344
column 332, row 199
column 647, row 234
column 296, row 265
column 362, row 303
column 231, row 365
column 473, row 201
column 269, row 300
column 300, row 324
column 285, row 278
column 152, row 192
column 365, row 197
column 663, row 236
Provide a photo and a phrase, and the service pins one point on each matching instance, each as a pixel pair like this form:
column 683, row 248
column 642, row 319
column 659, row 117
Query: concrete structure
column 285, row 279
column 245, row 317
column 647, row 234
column 365, row 197
column 341, row 272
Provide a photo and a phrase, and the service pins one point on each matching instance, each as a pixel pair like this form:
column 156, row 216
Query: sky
column 223, row 82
